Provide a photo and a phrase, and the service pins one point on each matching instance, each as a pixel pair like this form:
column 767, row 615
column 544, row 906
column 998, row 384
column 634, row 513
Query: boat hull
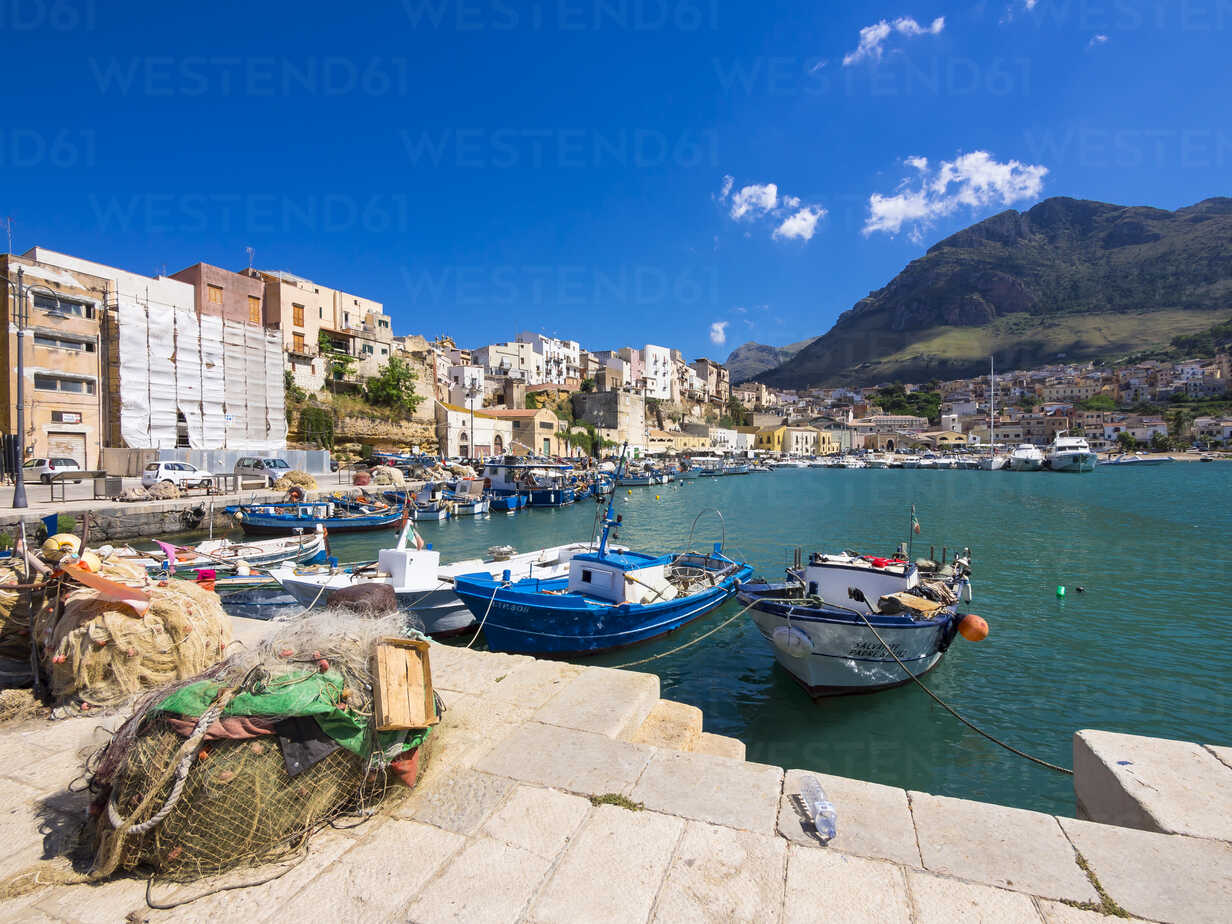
column 550, row 497
column 522, row 620
column 842, row 655
column 440, row 610
column 1072, row 462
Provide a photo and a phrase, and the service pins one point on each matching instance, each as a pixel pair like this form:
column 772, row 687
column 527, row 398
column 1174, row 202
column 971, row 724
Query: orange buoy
column 973, row 628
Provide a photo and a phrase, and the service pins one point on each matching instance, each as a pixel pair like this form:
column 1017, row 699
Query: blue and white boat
column 542, row 483
column 283, row 518
column 608, row 599
column 823, row 622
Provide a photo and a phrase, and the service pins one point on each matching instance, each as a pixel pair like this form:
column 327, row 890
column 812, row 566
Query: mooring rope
column 689, row 644
column 479, row 628
column 952, row 711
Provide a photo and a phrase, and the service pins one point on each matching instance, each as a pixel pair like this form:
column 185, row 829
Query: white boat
column 423, row 586
column 852, row 464
column 1026, row 458
column 877, row 462
column 227, row 555
column 911, row 461
column 817, row 622
column 1135, row 459
column 1071, row 454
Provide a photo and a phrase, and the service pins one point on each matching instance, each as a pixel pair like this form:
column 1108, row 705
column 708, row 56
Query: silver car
column 255, row 467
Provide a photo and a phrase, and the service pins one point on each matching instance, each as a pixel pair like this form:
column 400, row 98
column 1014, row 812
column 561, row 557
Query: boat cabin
column 626, row 577
column 834, row 578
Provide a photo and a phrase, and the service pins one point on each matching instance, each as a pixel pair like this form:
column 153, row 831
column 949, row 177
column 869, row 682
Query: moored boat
column 283, row 518
column 823, row 622
column 1027, row 457
column 1071, row 454
column 228, row 555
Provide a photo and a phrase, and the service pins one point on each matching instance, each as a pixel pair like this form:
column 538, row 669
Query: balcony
column 306, row 351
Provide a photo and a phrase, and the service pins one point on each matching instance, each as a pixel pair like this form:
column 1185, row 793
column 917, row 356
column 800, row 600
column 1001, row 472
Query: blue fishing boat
column 279, row 519
column 507, row 503
column 607, row 600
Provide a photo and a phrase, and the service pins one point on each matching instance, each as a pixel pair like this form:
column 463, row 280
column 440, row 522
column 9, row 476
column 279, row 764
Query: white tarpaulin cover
column 254, row 386
column 275, row 383
column 188, row 374
column 235, row 371
column 212, row 387
column 134, row 374
column 160, row 333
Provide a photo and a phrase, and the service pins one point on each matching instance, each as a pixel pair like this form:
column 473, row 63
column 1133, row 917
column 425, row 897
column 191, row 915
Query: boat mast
column 992, row 410
column 608, row 521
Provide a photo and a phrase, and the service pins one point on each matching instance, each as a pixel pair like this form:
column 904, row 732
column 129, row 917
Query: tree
column 588, row 385
column 394, row 386
column 295, row 394
column 316, row 425
column 1161, row 442
column 1126, row 441
column 1099, row 402
column 338, row 363
column 739, row 414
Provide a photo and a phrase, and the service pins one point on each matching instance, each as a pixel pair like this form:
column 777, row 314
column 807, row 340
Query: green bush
column 316, row 425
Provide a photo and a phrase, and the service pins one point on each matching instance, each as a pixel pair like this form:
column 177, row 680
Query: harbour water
column 1145, row 647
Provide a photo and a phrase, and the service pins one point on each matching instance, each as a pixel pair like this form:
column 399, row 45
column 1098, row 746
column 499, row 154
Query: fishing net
column 387, row 476
column 15, row 603
column 296, row 478
column 101, row 652
column 239, row 767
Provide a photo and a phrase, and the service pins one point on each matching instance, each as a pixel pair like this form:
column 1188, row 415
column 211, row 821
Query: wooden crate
column 402, row 685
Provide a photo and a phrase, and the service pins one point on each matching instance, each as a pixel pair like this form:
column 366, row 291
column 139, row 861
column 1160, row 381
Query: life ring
column 295, row 494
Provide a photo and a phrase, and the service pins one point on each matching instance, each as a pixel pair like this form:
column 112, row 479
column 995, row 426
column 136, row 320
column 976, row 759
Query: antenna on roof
column 251, row 253
column 8, row 222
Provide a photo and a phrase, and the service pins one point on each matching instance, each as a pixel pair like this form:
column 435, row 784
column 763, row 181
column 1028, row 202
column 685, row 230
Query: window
column 297, row 342
column 254, row 309
column 587, row 576
column 384, row 352
column 64, row 342
column 62, row 383
column 297, row 315
column 63, row 305
column 368, row 349
column 213, row 294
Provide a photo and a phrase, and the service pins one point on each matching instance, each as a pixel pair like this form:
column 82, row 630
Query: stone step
column 604, row 701
column 720, row 746
column 677, row 726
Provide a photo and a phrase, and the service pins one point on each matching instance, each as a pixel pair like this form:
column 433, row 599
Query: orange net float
column 973, row 628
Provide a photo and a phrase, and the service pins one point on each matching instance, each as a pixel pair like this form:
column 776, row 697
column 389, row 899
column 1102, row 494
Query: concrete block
column 465, row 670
column 377, row 878
column 566, row 759
column 1007, row 847
column 714, row 789
column 720, row 746
column 603, row 701
column 720, row 874
column 823, row 885
column 469, row 728
column 936, row 900
column 457, row 801
column 1158, row 876
column 534, row 683
column 612, row 870
column 671, row 725
column 539, row 821
column 487, row 882
column 1154, row 784
column 873, row 820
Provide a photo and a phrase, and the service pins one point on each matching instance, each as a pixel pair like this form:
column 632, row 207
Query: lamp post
column 471, row 393
column 21, row 316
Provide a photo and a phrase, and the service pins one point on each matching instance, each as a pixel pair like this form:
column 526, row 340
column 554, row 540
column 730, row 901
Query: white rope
column 664, row 654
column 479, row 628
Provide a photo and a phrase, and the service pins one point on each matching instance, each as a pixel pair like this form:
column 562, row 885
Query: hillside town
column 256, row 361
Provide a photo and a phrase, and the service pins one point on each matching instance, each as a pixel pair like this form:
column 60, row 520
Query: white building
column 515, row 359
column 657, row 371
column 562, row 359
column 461, row 432
column 219, row 381
column 466, row 386
column 723, row 439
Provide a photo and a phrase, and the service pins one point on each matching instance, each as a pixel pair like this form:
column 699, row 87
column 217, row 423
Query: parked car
column 45, row 468
column 269, row 469
column 180, row 474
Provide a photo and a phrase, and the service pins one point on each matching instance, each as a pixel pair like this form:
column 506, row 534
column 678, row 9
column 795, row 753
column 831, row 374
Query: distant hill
column 1069, row 279
column 749, row 359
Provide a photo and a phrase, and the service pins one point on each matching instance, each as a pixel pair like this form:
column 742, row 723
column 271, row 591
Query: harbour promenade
column 557, row 792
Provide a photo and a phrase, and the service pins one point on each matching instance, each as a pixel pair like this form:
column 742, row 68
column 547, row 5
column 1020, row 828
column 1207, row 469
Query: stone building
column 623, row 413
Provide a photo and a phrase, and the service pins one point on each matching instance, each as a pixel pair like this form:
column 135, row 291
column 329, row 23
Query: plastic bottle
column 820, row 809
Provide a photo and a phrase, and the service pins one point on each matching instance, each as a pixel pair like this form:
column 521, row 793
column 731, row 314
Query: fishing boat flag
column 915, row 523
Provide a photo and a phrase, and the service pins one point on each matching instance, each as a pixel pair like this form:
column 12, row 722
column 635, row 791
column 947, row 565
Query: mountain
column 1068, row 279
column 749, row 359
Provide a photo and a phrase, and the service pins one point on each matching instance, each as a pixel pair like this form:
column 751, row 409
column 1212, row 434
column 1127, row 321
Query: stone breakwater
column 558, row 792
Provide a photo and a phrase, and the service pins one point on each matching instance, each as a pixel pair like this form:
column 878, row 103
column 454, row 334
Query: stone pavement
column 508, row 824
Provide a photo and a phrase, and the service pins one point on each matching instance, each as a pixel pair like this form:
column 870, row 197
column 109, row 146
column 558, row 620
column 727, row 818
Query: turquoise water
column 1147, row 648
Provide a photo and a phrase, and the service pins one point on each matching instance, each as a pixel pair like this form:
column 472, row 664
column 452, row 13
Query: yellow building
column 535, row 430
column 770, row 439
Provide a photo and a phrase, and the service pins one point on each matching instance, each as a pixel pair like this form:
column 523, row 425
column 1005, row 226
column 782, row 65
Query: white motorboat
column 821, row 621
column 1026, row 458
column 1071, row 454
column 852, row 463
column 423, row 586
column 877, row 462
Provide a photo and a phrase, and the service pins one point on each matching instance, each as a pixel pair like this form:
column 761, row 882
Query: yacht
column 1027, row 457
column 1070, row 454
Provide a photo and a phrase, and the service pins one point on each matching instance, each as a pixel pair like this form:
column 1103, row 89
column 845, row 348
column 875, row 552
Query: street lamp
column 472, row 392
column 21, row 318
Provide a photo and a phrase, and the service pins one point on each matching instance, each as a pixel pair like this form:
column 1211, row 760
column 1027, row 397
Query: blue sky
column 485, row 167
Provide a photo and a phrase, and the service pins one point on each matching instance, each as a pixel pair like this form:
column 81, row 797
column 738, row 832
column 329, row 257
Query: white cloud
column 873, row 38
column 718, row 332
column 727, row 185
column 739, row 309
column 801, row 225
column 970, row 181
column 1098, row 39
column 753, row 201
